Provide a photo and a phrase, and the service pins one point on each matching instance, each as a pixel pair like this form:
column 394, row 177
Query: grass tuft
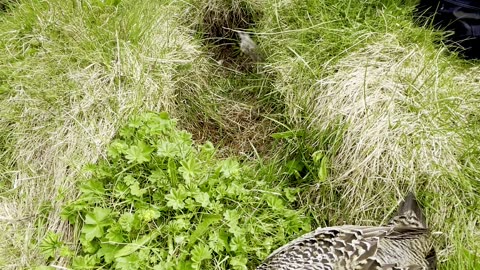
column 72, row 73
column 396, row 105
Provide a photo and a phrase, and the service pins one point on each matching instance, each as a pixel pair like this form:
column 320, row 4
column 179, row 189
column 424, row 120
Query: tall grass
column 404, row 106
column 357, row 83
column 72, row 72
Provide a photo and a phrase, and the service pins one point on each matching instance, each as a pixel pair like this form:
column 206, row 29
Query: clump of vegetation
column 361, row 102
column 398, row 106
column 161, row 201
column 218, row 22
column 71, row 73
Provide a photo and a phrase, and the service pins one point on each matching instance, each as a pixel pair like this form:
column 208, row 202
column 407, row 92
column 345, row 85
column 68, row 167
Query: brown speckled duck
column 403, row 244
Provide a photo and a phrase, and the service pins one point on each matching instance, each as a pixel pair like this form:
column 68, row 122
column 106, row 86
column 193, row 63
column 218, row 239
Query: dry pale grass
column 392, row 109
column 68, row 100
column 405, row 110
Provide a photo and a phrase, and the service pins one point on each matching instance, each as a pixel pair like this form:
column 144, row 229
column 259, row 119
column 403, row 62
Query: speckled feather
column 401, row 245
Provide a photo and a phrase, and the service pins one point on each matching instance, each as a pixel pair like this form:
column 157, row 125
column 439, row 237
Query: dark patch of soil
column 219, row 27
column 7, row 5
column 237, row 124
column 240, row 130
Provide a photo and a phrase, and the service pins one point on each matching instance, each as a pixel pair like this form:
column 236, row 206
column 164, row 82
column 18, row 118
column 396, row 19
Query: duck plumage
column 403, row 244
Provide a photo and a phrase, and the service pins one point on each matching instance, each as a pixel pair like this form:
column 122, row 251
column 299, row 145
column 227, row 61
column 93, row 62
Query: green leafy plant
column 51, row 245
column 161, row 201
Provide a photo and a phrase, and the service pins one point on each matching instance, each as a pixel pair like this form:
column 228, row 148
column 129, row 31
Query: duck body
column 402, row 244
